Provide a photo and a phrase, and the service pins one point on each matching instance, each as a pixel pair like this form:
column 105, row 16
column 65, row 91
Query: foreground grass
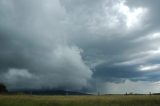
column 26, row 100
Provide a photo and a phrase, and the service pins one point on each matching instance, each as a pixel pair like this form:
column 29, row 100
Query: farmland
column 119, row 100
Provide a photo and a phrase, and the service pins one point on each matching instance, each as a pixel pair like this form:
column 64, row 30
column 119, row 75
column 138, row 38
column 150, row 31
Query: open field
column 26, row 100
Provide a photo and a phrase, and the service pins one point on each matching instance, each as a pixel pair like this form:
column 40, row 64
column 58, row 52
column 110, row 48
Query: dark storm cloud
column 105, row 44
column 122, row 72
column 33, row 49
column 71, row 44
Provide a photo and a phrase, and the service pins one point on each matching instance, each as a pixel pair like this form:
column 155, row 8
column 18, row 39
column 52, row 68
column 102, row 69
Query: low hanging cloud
column 72, row 44
column 63, row 68
column 34, row 50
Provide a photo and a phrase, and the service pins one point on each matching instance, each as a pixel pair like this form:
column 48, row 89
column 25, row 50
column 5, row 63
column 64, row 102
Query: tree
column 3, row 88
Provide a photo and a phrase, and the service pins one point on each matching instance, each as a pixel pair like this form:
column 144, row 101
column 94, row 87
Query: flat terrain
column 27, row 100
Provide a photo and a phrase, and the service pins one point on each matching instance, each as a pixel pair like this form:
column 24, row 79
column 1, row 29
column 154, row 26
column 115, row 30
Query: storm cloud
column 79, row 44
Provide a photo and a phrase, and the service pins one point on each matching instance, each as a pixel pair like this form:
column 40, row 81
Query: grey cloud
column 77, row 42
column 32, row 35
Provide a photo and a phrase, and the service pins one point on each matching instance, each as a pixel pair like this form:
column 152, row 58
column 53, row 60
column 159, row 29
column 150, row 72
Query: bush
column 3, row 88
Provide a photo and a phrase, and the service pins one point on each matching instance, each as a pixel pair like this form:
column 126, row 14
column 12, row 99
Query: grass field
column 26, row 100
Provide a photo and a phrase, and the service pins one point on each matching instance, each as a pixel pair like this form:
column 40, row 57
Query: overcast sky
column 112, row 46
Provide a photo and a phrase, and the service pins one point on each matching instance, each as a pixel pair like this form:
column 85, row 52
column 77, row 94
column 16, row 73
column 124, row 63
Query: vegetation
column 3, row 88
column 26, row 100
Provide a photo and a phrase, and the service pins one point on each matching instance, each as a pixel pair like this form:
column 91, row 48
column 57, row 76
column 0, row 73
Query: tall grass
column 26, row 100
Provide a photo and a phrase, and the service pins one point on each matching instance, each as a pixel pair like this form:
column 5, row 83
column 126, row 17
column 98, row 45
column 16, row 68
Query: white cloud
column 14, row 74
column 149, row 67
column 132, row 16
column 151, row 37
column 141, row 57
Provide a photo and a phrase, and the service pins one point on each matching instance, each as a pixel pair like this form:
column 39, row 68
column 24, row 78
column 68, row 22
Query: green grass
column 26, row 100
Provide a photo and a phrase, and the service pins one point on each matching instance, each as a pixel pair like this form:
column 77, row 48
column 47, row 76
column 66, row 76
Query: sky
column 106, row 46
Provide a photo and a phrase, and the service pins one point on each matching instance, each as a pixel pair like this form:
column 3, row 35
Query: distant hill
column 48, row 92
